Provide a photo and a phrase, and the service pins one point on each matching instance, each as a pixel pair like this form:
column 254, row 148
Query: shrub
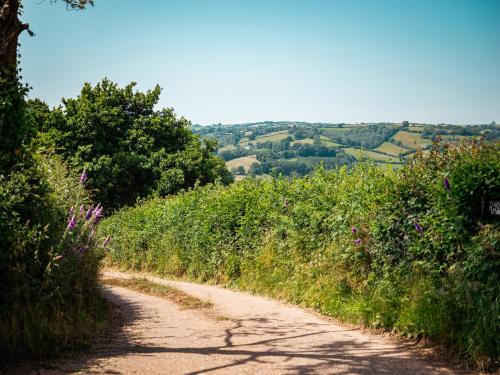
column 129, row 149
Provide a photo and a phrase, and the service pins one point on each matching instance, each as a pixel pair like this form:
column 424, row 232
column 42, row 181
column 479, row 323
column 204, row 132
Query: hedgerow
column 411, row 250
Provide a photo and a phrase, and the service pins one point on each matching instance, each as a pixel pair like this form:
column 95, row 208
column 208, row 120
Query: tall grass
column 409, row 250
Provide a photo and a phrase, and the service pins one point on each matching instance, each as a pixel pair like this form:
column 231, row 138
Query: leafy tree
column 128, row 148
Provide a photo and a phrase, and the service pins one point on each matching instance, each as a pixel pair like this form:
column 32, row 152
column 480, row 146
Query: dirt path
column 259, row 336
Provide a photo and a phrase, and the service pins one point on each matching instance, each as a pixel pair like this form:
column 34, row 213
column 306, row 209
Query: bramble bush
column 129, row 149
column 410, row 249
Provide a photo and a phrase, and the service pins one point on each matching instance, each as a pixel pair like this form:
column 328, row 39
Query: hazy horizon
column 236, row 61
column 341, row 122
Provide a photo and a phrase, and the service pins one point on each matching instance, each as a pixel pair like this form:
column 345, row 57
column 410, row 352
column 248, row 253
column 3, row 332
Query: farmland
column 410, row 140
column 391, row 148
column 245, row 162
column 298, row 147
column 361, row 154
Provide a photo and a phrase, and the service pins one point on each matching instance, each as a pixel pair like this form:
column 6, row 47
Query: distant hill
column 296, row 147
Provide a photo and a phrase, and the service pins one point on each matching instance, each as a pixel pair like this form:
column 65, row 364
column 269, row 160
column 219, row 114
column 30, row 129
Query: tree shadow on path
column 299, row 348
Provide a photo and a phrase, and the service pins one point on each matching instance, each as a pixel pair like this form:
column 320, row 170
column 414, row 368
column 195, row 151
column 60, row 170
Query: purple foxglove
column 88, row 215
column 83, row 176
column 446, row 183
column 71, row 223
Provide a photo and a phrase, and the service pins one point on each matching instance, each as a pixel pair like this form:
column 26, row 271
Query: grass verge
column 143, row 285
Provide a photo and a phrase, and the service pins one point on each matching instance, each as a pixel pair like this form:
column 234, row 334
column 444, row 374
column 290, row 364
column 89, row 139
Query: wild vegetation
column 283, row 148
column 412, row 250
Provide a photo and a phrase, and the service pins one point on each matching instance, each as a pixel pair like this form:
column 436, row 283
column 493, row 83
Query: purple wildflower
column 88, row 215
column 80, row 250
column 446, row 183
column 358, row 242
column 418, row 228
column 83, row 176
column 71, row 210
column 354, row 230
column 106, row 242
column 71, row 223
column 97, row 214
column 82, row 208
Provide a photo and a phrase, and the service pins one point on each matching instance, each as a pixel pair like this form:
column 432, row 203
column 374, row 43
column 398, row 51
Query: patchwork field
column 272, row 137
column 411, row 140
column 361, row 154
column 246, row 162
column 228, row 148
column 381, row 142
column 390, row 148
column 307, row 141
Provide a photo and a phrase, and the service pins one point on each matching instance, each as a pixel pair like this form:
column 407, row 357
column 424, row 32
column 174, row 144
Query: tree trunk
column 10, row 29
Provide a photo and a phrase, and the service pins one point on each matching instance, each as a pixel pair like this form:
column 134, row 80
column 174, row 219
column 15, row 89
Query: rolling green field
column 391, row 148
column 278, row 145
column 272, row 137
column 366, row 154
column 308, row 141
column 411, row 140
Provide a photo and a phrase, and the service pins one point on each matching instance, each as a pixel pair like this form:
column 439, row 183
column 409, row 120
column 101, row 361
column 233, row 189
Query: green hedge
column 408, row 250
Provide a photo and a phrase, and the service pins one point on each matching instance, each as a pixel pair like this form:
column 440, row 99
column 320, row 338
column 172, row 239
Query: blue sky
column 233, row 61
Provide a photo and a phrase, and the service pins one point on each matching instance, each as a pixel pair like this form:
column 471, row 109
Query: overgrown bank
column 412, row 250
column 49, row 299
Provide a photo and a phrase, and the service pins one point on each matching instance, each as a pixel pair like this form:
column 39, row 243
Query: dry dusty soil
column 241, row 334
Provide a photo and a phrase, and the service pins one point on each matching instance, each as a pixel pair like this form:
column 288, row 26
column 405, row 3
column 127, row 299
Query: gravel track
column 242, row 334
